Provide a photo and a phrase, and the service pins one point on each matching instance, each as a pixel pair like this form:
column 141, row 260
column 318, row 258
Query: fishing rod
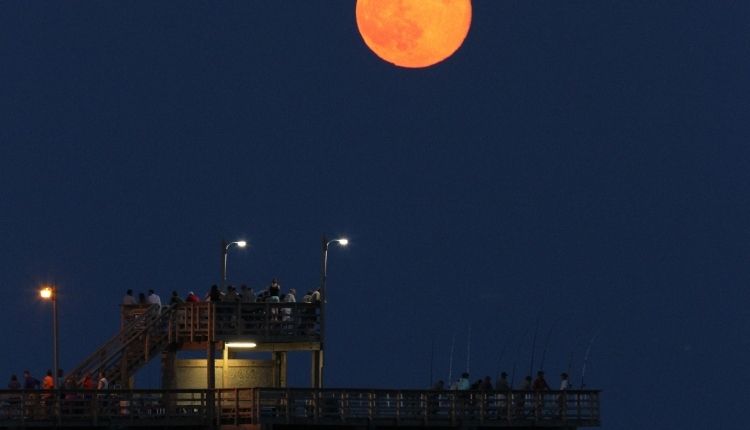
column 546, row 342
column 450, row 359
column 500, row 358
column 432, row 357
column 515, row 358
column 586, row 356
column 468, row 350
column 533, row 347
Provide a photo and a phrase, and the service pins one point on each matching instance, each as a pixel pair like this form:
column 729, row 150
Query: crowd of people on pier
column 86, row 382
column 527, row 384
column 271, row 294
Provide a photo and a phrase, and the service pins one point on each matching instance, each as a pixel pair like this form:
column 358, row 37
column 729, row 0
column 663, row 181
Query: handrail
column 299, row 406
column 111, row 352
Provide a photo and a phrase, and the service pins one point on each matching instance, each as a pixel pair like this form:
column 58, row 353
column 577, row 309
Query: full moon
column 414, row 33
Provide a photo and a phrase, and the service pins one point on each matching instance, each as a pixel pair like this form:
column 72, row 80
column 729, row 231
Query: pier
column 232, row 393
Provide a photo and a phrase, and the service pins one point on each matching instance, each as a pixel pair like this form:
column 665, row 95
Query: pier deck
column 286, row 407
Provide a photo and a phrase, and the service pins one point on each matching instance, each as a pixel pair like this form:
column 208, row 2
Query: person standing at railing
column 520, row 398
column 128, row 299
column 562, row 397
column 214, row 294
column 503, row 387
column 30, row 382
column 564, row 383
column 274, row 290
column 286, row 313
column 315, row 296
column 539, row 386
column 14, row 384
column 103, row 383
column 153, row 298
column 192, row 298
column 247, row 295
column 175, row 299
column 48, row 384
column 88, row 382
column 232, row 295
column 14, row 399
column 463, row 383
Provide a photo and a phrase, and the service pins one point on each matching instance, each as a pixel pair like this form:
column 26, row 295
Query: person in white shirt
column 564, row 384
column 153, row 298
column 103, row 382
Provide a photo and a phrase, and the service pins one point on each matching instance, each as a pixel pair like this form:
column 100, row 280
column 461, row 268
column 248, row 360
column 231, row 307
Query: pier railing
column 229, row 321
column 300, row 407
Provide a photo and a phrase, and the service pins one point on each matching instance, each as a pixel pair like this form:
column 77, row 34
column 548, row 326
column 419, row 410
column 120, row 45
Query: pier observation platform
column 235, row 400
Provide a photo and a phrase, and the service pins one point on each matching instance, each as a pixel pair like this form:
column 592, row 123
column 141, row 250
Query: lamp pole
column 50, row 293
column 225, row 252
column 323, row 297
column 211, row 359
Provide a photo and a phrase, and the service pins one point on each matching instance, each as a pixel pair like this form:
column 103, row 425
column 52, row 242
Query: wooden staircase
column 140, row 339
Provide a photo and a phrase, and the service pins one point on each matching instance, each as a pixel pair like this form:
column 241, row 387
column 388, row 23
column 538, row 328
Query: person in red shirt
column 48, row 382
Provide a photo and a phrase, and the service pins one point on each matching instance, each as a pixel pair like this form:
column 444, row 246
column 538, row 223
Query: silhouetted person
column 175, row 299
column 486, row 384
column 128, row 299
column 232, row 295
column 539, row 383
column 247, row 294
column 29, row 382
column 214, row 295
column 564, row 383
column 502, row 383
column 463, row 383
column 14, row 384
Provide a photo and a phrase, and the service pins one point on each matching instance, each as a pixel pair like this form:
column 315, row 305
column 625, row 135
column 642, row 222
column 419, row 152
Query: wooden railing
column 300, row 407
column 260, row 322
column 147, row 329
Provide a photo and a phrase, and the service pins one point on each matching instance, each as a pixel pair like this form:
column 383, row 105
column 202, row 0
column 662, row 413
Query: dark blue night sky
column 580, row 163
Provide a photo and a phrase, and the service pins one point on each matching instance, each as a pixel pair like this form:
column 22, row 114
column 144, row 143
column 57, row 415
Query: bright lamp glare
column 242, row 244
column 241, row 345
column 343, row 242
column 46, row 293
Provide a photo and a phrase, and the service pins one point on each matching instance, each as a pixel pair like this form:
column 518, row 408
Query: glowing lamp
column 241, row 345
column 46, row 293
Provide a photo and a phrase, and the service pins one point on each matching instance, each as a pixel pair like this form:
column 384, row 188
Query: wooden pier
column 149, row 331
column 269, row 408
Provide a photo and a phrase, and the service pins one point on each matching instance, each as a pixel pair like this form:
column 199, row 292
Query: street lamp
column 225, row 251
column 50, row 293
column 324, row 264
column 323, row 275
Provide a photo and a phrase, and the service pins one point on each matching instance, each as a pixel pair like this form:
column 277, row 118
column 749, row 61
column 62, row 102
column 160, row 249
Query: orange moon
column 414, row 33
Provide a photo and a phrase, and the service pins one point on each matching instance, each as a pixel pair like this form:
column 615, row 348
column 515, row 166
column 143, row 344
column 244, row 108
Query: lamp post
column 211, row 361
column 50, row 293
column 323, row 298
column 225, row 251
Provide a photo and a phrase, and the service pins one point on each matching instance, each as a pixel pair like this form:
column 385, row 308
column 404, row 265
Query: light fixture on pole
column 323, row 275
column 50, row 293
column 225, row 251
column 324, row 269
